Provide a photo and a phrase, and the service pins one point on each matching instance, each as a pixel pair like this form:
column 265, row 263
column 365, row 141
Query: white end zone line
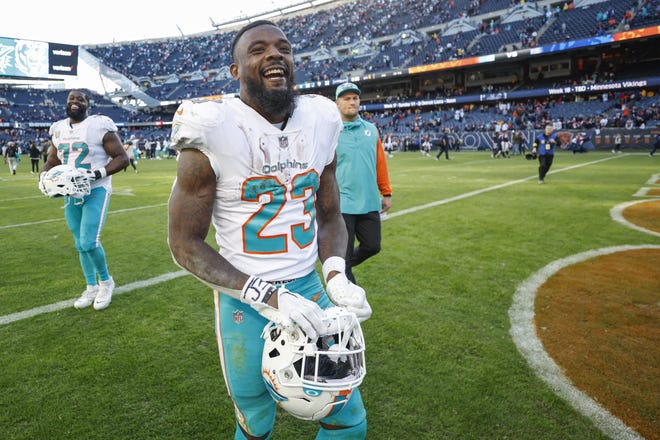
column 523, row 332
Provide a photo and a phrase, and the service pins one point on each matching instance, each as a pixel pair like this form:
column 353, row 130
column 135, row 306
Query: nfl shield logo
column 284, row 141
column 238, row 316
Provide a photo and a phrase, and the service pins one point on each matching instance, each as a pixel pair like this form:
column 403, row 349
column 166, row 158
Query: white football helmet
column 314, row 379
column 64, row 180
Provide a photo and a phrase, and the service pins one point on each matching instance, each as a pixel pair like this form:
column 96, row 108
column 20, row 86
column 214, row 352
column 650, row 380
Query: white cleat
column 87, row 298
column 104, row 296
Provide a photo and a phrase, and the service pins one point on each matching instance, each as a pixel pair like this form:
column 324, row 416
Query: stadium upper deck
column 379, row 42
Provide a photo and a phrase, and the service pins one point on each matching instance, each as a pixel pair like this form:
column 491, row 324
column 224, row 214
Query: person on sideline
column 12, row 156
column 88, row 142
column 261, row 168
column 544, row 147
column 617, row 143
column 444, row 144
column 131, row 151
column 656, row 145
column 35, row 157
column 364, row 181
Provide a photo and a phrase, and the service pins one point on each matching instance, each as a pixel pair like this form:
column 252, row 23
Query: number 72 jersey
column 81, row 145
column 266, row 179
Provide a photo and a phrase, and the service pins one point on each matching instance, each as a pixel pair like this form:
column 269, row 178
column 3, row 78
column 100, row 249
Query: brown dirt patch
column 644, row 214
column 653, row 192
column 600, row 321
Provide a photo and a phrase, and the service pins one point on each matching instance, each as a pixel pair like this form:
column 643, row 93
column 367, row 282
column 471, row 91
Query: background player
column 90, row 143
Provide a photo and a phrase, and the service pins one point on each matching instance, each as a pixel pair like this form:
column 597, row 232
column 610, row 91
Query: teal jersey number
column 303, row 188
column 81, row 150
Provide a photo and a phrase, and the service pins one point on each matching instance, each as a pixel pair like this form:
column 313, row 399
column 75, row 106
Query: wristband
column 257, row 290
column 100, row 173
column 333, row 264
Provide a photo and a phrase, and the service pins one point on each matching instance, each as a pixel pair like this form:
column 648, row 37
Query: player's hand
column 292, row 309
column 90, row 175
column 348, row 295
column 42, row 187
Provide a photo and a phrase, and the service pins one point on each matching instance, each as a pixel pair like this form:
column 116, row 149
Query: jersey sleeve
column 106, row 124
column 191, row 122
column 329, row 123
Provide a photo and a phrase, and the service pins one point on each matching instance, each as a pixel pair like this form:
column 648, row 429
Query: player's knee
column 86, row 245
column 355, row 432
column 372, row 249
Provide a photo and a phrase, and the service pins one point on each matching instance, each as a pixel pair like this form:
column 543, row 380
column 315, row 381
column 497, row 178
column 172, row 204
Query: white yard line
column 521, row 313
column 61, row 219
column 7, row 319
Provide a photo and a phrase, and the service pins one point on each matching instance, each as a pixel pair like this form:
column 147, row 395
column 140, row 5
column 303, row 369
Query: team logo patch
column 238, row 316
column 284, row 141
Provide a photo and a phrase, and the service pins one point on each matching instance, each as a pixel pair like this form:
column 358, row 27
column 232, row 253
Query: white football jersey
column 81, row 145
column 264, row 213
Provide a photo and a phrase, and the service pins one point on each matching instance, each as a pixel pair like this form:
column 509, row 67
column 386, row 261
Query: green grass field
column 461, row 236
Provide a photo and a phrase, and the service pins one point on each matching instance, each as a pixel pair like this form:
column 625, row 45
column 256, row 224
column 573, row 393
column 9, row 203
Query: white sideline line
column 521, row 314
column 61, row 219
column 6, row 319
column 523, row 332
column 490, row 188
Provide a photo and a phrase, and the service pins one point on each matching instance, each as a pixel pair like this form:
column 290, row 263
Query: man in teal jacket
column 364, row 182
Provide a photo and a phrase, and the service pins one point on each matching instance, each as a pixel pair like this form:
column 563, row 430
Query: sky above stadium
column 92, row 22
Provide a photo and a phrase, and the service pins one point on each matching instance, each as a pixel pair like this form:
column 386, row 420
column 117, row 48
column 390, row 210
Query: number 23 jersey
column 266, row 179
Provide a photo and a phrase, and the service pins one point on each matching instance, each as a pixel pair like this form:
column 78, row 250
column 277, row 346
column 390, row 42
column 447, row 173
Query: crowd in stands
column 373, row 36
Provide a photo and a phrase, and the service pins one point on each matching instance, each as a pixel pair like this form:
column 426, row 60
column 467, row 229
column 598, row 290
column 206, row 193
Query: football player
column 89, row 143
column 261, row 168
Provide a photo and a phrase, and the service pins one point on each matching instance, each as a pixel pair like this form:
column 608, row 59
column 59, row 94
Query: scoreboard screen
column 37, row 59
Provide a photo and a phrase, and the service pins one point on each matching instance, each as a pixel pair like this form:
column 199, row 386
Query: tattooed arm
column 190, row 211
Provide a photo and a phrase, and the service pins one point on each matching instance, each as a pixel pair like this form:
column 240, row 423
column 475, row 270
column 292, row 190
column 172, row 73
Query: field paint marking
column 617, row 215
column 521, row 314
column 523, row 332
column 490, row 188
column 118, row 211
column 6, row 319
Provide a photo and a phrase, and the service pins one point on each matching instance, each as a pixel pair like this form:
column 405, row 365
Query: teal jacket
column 362, row 173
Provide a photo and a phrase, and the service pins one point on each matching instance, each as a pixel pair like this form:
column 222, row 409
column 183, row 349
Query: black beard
column 76, row 115
column 271, row 102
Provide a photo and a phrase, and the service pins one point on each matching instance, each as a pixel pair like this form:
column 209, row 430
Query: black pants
column 366, row 228
column 545, row 162
column 443, row 150
column 35, row 164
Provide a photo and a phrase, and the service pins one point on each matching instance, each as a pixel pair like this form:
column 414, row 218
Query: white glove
column 349, row 296
column 91, row 175
column 292, row 309
column 344, row 293
column 42, row 187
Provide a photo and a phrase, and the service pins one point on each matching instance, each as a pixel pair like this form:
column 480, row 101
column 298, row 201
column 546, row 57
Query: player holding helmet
column 90, row 144
column 261, row 168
